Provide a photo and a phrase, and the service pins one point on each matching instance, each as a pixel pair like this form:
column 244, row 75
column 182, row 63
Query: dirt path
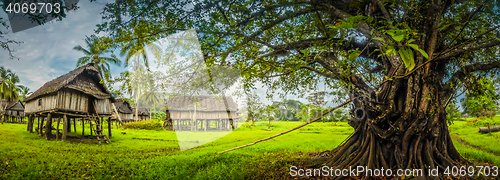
column 472, row 146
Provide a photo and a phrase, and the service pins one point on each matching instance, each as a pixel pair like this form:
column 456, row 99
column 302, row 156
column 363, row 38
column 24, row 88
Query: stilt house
column 143, row 113
column 124, row 110
column 13, row 111
column 77, row 94
column 201, row 113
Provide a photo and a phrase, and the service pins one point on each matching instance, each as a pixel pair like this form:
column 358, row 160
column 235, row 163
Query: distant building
column 13, row 111
column 124, row 110
column 201, row 113
column 142, row 112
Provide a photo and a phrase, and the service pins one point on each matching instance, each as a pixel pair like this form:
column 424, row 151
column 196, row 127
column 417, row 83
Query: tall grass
column 147, row 125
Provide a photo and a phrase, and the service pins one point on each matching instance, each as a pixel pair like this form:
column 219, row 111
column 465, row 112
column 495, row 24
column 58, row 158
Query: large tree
column 403, row 60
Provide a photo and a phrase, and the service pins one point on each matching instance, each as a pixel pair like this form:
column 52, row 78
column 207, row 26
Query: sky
column 47, row 50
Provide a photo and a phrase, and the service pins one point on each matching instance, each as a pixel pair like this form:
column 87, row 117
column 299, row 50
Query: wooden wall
column 67, row 100
column 125, row 116
column 200, row 114
column 14, row 113
column 103, row 106
column 72, row 101
column 48, row 102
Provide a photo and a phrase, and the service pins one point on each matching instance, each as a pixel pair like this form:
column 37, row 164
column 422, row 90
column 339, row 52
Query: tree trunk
column 403, row 126
column 489, row 129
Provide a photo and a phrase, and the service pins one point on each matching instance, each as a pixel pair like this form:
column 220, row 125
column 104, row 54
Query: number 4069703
column 33, row 8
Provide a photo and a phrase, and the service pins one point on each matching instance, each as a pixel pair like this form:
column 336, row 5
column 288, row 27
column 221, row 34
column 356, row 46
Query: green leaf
column 399, row 37
column 424, row 53
column 414, row 46
column 379, row 38
column 407, row 57
column 239, row 39
column 354, row 55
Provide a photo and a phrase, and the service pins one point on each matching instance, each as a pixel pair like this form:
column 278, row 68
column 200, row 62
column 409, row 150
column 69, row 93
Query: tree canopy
column 403, row 60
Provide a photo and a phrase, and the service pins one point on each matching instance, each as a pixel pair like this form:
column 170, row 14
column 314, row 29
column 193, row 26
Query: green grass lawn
column 26, row 155
column 485, row 147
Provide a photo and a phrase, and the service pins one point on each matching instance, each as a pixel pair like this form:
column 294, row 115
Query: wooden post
column 28, row 126
column 69, row 124
column 32, row 121
column 220, row 125
column 48, row 127
column 109, row 127
column 74, row 124
column 57, row 128
column 40, row 124
column 83, row 126
column 206, row 124
column 90, row 128
column 65, row 127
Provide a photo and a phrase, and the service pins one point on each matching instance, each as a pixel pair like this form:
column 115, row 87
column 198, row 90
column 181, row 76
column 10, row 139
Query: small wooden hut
column 123, row 111
column 77, row 94
column 142, row 113
column 12, row 111
column 201, row 113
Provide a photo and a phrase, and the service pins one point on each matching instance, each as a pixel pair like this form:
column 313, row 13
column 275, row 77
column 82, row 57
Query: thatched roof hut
column 124, row 109
column 14, row 108
column 220, row 110
column 76, row 92
column 142, row 112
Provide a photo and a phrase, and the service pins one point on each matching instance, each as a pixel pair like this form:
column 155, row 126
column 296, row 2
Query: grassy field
column 26, row 155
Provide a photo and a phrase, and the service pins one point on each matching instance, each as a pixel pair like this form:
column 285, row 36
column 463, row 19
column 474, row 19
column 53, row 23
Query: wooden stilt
column 57, row 128
column 40, row 124
column 48, row 127
column 69, row 124
column 109, row 127
column 65, row 127
column 83, row 126
column 74, row 124
column 90, row 128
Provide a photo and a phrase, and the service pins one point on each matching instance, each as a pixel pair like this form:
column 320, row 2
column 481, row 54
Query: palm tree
column 8, row 88
column 24, row 91
column 93, row 55
column 137, row 49
column 151, row 97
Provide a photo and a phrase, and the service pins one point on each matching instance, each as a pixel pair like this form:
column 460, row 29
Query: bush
column 148, row 125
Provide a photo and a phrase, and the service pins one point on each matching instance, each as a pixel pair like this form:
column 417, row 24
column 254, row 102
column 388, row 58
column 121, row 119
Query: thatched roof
column 142, row 111
column 85, row 79
column 203, row 103
column 123, row 106
column 13, row 106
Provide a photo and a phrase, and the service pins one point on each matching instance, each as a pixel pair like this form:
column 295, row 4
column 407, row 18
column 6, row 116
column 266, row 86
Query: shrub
column 148, row 125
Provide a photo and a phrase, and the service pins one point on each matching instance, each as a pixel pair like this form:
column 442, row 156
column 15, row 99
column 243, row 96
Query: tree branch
column 469, row 47
column 460, row 74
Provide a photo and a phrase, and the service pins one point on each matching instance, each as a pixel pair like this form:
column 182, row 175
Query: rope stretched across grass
column 295, row 128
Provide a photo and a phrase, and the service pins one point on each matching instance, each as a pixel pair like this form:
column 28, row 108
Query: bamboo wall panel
column 103, row 106
column 72, row 101
column 48, row 103
column 201, row 114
